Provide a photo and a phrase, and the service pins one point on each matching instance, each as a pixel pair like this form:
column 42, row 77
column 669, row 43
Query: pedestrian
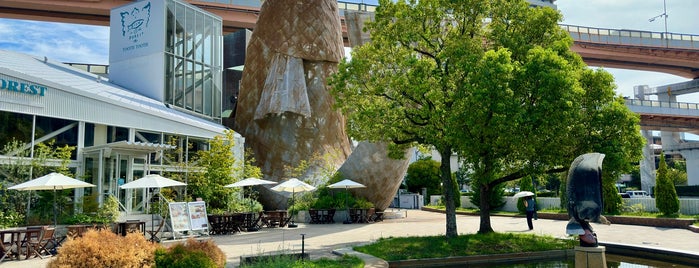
column 530, row 206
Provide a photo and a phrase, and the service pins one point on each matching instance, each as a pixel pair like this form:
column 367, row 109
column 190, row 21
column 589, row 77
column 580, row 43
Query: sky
column 89, row 44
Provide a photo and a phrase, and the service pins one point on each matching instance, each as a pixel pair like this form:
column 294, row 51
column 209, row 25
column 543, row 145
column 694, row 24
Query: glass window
column 198, row 88
column 189, row 86
column 115, row 134
column 152, row 137
column 15, row 127
column 63, row 132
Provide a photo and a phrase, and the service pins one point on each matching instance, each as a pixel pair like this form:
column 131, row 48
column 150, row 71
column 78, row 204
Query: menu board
column 197, row 215
column 179, row 216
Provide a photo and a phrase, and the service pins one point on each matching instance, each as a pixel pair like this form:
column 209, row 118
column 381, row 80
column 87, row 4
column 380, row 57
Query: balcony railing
column 342, row 5
column 663, row 104
column 632, row 37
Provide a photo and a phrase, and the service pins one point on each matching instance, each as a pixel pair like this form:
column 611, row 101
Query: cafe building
column 163, row 84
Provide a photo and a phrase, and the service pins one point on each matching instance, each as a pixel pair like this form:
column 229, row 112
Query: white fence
column 688, row 206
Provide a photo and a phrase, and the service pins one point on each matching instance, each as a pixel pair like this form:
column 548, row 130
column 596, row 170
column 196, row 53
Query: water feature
column 613, row 261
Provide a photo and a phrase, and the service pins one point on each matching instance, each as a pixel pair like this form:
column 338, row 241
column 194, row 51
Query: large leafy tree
column 509, row 97
column 423, row 173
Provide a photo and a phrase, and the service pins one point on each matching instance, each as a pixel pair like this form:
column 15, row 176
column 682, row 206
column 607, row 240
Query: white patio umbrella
column 347, row 184
column 53, row 181
column 250, row 182
column 152, row 181
column 523, row 194
column 293, row 185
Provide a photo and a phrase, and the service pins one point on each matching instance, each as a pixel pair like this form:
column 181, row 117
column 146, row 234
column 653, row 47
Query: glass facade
column 193, row 58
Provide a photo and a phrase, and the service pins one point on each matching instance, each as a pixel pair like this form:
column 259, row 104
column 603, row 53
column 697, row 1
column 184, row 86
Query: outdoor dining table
column 17, row 236
column 275, row 218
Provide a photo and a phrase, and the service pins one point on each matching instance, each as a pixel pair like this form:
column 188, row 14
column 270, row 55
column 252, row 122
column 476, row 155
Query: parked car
column 624, row 195
column 638, row 194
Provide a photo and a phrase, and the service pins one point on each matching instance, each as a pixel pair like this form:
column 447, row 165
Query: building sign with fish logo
column 136, row 30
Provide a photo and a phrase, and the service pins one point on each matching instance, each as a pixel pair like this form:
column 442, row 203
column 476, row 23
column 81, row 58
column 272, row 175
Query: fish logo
column 134, row 22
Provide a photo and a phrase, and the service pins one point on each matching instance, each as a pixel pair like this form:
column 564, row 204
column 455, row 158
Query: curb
column 369, row 261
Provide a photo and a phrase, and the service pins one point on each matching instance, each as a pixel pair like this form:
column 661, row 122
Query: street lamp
column 664, row 15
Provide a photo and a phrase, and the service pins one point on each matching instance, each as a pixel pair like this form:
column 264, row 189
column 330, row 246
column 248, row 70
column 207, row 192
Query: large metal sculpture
column 285, row 111
column 584, row 191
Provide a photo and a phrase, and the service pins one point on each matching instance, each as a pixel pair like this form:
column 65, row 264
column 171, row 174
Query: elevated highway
column 672, row 53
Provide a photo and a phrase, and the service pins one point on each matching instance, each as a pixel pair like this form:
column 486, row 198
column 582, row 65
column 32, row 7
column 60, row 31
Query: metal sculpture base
column 590, row 257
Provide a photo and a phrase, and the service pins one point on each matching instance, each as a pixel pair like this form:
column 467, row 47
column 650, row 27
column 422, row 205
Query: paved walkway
column 321, row 239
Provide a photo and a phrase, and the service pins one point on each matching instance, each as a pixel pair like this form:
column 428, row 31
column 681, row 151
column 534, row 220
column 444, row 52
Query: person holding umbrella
column 530, row 206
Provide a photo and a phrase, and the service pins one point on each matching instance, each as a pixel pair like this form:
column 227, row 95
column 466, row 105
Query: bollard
column 303, row 253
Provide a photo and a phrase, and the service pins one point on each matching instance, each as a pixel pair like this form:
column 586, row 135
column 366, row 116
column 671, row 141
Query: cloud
column 59, row 41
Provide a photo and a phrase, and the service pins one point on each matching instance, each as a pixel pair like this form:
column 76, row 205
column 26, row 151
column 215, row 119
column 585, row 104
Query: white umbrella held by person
column 53, row 181
column 523, row 194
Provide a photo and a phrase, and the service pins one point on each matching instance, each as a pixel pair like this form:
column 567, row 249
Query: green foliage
column 193, row 253
column 495, row 195
column 362, row 203
column 666, row 199
column 612, row 199
column 424, row 173
column 10, row 218
column 218, row 169
column 484, row 92
column 346, row 261
column 456, row 191
column 407, row 248
column 109, row 211
column 16, row 171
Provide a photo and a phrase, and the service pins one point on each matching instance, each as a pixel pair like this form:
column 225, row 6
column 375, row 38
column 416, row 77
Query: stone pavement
column 321, row 239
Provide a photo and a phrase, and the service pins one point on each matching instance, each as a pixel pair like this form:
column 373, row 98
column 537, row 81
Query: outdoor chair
column 153, row 234
column 330, row 216
column 7, row 245
column 37, row 245
column 315, row 216
column 132, row 226
column 369, row 216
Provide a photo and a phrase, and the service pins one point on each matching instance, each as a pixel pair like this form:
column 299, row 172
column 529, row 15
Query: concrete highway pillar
column 647, row 169
column 692, row 158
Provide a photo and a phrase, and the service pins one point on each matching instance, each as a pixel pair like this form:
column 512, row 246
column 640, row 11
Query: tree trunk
column 448, row 192
column 485, row 226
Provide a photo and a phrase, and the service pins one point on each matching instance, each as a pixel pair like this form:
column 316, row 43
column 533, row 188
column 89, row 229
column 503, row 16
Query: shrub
column 192, row 253
column 105, row 249
column 666, row 199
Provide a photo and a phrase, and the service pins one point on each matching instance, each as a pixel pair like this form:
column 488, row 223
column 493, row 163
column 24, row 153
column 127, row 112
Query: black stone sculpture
column 584, row 190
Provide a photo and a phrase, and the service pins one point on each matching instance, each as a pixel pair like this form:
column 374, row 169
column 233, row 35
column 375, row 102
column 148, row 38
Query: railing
column 688, row 206
column 342, row 5
column 632, row 37
column 663, row 104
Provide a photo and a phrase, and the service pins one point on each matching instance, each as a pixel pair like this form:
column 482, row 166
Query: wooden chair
column 8, row 245
column 369, row 216
column 153, row 234
column 37, row 245
column 315, row 216
column 132, row 226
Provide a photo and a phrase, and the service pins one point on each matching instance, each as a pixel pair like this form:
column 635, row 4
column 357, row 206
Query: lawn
column 408, row 248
